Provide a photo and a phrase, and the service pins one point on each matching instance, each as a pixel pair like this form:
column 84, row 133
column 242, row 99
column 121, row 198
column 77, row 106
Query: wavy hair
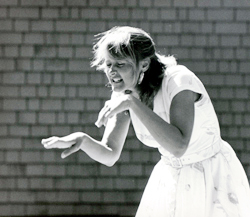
column 130, row 42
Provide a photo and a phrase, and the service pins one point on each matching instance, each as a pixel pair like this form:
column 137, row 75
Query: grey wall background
column 48, row 88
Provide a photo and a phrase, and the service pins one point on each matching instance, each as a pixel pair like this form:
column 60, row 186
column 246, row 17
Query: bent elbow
column 180, row 151
column 111, row 161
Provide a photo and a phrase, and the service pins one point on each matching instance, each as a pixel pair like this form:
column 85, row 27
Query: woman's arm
column 107, row 151
column 175, row 136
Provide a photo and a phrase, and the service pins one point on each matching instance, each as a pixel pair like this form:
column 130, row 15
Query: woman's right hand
column 57, row 142
column 71, row 143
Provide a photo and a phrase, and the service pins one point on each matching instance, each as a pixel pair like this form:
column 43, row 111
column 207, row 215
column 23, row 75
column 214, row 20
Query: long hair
column 129, row 42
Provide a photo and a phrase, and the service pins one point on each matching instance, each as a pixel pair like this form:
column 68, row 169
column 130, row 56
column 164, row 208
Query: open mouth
column 116, row 80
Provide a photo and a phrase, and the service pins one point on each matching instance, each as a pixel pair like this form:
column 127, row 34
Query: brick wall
column 48, row 88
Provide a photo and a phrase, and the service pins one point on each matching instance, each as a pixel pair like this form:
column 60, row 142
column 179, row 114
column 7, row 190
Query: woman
column 199, row 173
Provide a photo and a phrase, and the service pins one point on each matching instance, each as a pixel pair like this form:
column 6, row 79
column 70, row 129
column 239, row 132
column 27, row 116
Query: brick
column 7, row 64
column 14, row 105
column 91, row 197
column 5, row 25
column 167, row 40
column 57, row 91
column 12, row 157
column 49, row 13
column 33, row 104
column 76, row 2
column 44, row 51
column 56, row 65
column 123, row 14
column 33, row 38
column 209, row 4
column 27, row 117
column 46, row 118
column 231, row 28
column 93, row 105
column 70, row 26
column 12, row 143
column 41, row 183
column 145, row 3
column 124, row 183
column 232, row 3
column 77, row 39
column 11, row 38
column 62, row 184
column 51, row 105
column 56, row 170
column 246, row 40
column 220, row 15
column 61, row 130
column 27, row 51
column 162, row 3
column 138, row 14
column 242, row 93
column 86, row 183
column 245, row 67
column 33, row 3
column 116, row 3
column 56, row 2
column 78, row 65
column 57, row 39
column 8, row 2
column 167, row 14
column 207, row 28
column 73, row 105
column 197, row 14
column 42, row 92
column 97, row 3
column 41, row 26
column 242, row 15
column 90, row 13
column 230, row 41
column 3, row 12
column 234, row 80
column 96, row 26
column 187, row 3
column 21, row 25
column 39, row 131
column 65, row 52
column 114, row 197
column 28, row 91
column 131, row 170
column 24, row 13
column 107, row 14
column 9, row 91
column 152, row 14
column 22, row 196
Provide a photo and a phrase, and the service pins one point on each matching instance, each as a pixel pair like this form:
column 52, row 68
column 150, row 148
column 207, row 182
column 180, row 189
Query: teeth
column 116, row 80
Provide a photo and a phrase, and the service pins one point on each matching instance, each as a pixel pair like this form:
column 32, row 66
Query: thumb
column 71, row 150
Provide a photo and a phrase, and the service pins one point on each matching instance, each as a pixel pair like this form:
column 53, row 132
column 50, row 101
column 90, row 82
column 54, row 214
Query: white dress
column 208, row 180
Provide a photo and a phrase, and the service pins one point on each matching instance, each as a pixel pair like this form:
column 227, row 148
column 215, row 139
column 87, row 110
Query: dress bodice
column 206, row 131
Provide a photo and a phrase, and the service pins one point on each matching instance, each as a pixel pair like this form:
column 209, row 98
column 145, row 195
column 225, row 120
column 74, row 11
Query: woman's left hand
column 112, row 107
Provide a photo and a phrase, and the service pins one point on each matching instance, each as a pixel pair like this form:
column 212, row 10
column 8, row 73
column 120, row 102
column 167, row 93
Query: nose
column 112, row 70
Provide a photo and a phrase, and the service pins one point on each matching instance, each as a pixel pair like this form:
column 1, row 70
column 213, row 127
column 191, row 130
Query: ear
column 145, row 64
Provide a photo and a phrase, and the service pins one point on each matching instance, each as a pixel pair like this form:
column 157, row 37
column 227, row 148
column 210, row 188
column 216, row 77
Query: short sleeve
column 180, row 78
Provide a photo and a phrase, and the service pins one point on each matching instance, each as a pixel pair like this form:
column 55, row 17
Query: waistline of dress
column 193, row 158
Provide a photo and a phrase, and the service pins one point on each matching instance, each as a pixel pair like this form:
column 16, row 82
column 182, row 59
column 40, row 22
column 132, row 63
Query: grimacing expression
column 122, row 73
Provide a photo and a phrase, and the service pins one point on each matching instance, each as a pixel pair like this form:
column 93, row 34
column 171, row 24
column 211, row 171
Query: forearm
column 167, row 135
column 109, row 149
column 97, row 150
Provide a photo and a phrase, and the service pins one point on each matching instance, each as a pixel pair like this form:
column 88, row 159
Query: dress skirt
column 215, row 187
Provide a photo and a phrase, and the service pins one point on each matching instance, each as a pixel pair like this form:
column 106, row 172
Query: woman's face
column 121, row 73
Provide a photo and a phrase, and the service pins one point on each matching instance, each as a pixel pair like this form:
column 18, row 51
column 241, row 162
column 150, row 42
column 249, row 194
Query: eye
column 108, row 65
column 120, row 65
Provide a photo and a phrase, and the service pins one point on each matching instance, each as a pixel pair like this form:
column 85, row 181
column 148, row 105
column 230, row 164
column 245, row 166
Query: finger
column 44, row 141
column 101, row 117
column 51, row 144
column 70, row 151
